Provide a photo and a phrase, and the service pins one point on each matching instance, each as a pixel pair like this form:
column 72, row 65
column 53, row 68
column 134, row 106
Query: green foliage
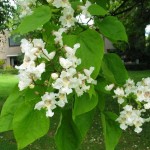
column 12, row 103
column 18, row 112
column 91, row 46
column 40, row 16
column 67, row 136
column 113, row 69
column 6, row 12
column 9, row 70
column 83, row 122
column 113, row 29
column 103, row 3
column 29, row 124
column 1, row 63
column 111, row 130
column 97, row 10
column 84, row 104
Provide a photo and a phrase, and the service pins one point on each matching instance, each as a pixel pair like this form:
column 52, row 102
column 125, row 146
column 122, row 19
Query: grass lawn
column 94, row 139
column 7, row 82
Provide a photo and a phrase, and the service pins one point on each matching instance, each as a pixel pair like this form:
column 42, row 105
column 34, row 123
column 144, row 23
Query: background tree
column 6, row 12
column 135, row 16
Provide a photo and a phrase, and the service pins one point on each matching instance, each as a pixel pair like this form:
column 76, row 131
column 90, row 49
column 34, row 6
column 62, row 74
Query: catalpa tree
column 65, row 70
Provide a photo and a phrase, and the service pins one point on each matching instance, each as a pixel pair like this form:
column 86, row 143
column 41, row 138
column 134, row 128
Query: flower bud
column 54, row 76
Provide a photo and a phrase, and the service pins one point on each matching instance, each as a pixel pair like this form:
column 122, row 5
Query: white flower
column 48, row 102
column 50, row 56
column 123, row 126
column 25, row 45
column 119, row 92
column 35, row 49
column 71, row 51
column 65, row 63
column 67, row 19
column 85, row 9
column 62, row 99
column 88, row 75
column 58, row 34
column 138, row 129
column 147, row 105
column 38, row 43
column 39, row 70
column 146, row 81
column 29, row 73
column 61, row 3
column 120, row 100
column 24, row 81
column 109, row 87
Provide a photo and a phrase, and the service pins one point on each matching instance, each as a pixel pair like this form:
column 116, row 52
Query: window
column 14, row 41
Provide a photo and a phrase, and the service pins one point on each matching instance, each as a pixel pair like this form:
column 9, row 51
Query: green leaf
column 67, row 136
column 111, row 130
column 113, row 29
column 76, row 4
column 97, row 10
column 101, row 104
column 84, row 104
column 29, row 125
column 80, row 122
column 103, row 3
column 39, row 17
column 91, row 49
column 101, row 84
column 113, row 69
column 14, row 100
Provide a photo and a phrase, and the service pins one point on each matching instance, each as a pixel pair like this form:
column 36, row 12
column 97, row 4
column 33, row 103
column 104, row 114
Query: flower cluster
column 135, row 99
column 131, row 117
column 68, row 81
column 29, row 71
column 68, row 17
column 25, row 7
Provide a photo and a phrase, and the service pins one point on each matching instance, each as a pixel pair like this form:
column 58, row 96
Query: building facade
column 9, row 50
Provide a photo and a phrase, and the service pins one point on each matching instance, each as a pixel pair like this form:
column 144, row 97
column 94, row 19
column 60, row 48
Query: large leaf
column 113, row 29
column 67, row 136
column 113, row 69
column 10, row 106
column 84, row 122
column 84, row 104
column 91, row 49
column 111, row 130
column 97, row 10
column 29, row 124
column 39, row 17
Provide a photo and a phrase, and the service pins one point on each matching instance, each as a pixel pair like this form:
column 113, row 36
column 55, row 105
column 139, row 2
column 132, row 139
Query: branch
column 124, row 2
column 126, row 10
